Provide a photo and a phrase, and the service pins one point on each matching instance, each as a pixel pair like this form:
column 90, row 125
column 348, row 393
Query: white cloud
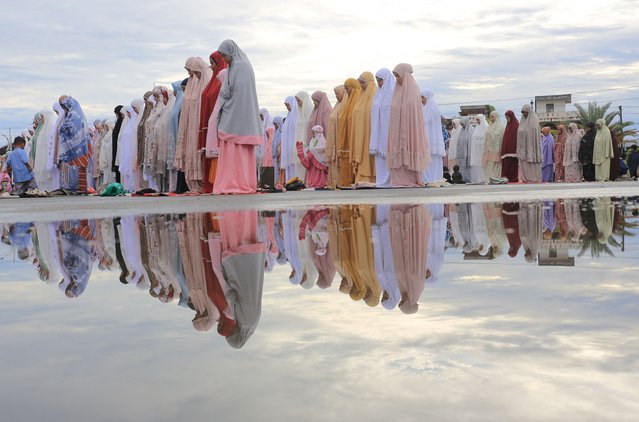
column 108, row 52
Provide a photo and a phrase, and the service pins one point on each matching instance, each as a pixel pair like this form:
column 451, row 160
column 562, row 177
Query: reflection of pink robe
column 410, row 233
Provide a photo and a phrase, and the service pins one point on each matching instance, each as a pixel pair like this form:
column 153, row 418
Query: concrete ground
column 63, row 208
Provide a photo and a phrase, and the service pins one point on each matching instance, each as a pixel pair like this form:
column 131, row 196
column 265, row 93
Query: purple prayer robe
column 548, row 159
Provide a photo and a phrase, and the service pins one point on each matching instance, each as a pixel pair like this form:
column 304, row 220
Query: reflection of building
column 552, row 109
column 556, row 253
column 476, row 256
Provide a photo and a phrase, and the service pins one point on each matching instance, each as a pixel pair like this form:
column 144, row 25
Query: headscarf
column 288, row 149
column 344, row 126
column 53, row 137
column 239, row 109
column 478, row 140
column 561, row 134
column 380, row 113
column 332, row 130
column 407, row 143
column 463, row 142
column 509, row 144
column 603, row 144
column 212, row 138
column 116, row 132
column 174, row 120
column 277, row 137
column 38, row 118
column 47, row 128
column 320, row 114
column 571, row 149
column 303, row 117
column 163, row 133
column 494, row 136
column 433, row 122
column 317, row 145
column 209, row 96
column 362, row 121
column 265, row 125
column 74, row 135
column 528, row 145
column 454, row 138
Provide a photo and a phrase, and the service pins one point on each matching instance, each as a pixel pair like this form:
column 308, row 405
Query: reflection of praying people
column 509, row 215
column 530, row 228
column 76, row 245
column 410, row 234
column 384, row 266
column 436, row 242
column 242, row 265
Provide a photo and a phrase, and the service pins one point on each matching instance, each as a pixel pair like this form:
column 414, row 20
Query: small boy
column 18, row 163
column 458, row 179
column 447, row 175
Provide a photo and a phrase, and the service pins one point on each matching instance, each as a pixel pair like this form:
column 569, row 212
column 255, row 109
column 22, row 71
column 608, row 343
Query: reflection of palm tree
column 590, row 240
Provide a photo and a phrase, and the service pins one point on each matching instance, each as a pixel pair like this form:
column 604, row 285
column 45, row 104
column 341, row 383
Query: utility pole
column 623, row 141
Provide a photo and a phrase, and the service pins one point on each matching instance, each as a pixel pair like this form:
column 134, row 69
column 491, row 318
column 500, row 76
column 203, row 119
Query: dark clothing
column 614, row 163
column 633, row 163
column 586, row 150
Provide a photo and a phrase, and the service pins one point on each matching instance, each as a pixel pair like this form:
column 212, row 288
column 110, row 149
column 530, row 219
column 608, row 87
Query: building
column 551, row 109
column 472, row 110
column 556, row 253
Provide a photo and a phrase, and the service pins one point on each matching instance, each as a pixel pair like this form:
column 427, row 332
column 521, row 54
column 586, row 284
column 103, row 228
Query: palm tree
column 595, row 112
column 623, row 132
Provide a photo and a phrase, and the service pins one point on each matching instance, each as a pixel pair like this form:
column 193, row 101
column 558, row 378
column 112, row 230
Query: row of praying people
column 382, row 132
column 168, row 141
column 489, row 152
column 208, row 135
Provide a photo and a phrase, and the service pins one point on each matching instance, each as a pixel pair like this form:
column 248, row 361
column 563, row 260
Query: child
column 314, row 160
column 447, row 175
column 458, row 179
column 18, row 163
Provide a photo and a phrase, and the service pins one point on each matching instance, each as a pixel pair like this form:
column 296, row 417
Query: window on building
column 550, row 108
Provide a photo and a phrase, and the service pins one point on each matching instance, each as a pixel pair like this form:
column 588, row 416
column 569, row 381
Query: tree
column 623, row 132
column 595, row 112
column 489, row 109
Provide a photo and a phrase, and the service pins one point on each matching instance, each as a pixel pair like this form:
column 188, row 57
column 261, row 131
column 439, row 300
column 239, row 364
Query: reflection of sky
column 497, row 340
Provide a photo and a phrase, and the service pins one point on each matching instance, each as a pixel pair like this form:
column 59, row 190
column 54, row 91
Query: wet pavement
column 524, row 310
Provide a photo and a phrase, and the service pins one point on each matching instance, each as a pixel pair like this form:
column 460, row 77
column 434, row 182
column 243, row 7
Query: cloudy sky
column 497, row 340
column 108, row 52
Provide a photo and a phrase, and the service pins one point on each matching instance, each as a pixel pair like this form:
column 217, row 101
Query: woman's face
column 524, row 113
column 261, row 117
column 507, row 119
column 213, row 64
column 197, row 73
column 569, row 129
column 424, row 100
column 316, row 103
column 299, row 102
column 339, row 95
column 227, row 58
column 380, row 81
column 349, row 90
column 189, row 71
column 288, row 106
column 400, row 80
column 128, row 114
column 277, row 125
column 362, row 83
column 492, row 118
